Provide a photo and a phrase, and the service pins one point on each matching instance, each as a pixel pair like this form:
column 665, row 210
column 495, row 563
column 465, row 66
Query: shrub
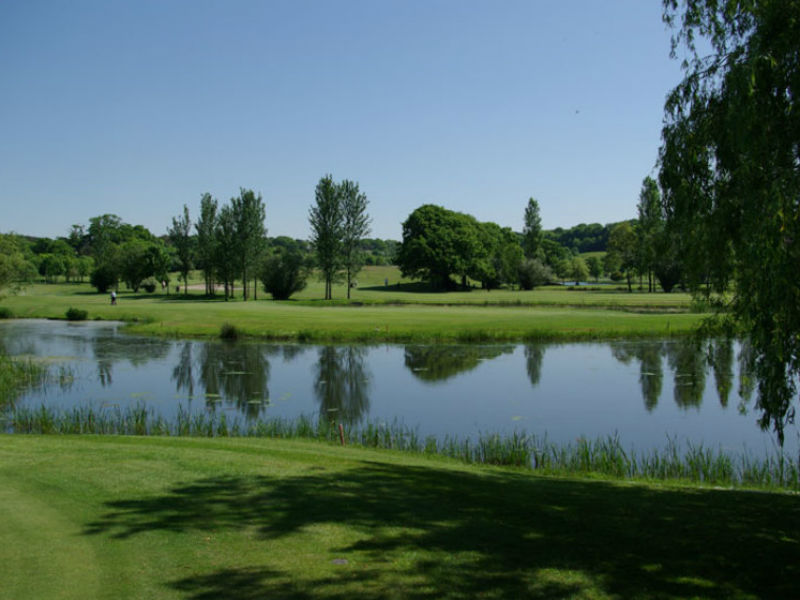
column 228, row 332
column 76, row 314
column 5, row 313
column 283, row 274
column 103, row 277
column 532, row 272
column 149, row 285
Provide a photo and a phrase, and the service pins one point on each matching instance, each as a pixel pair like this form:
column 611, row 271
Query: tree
column 578, row 270
column 251, row 235
column 650, row 227
column 595, row 267
column 499, row 260
column 730, row 178
column 180, row 237
column 327, row 224
column 533, row 273
column 622, row 246
column 226, row 253
column 355, row 226
column 133, row 264
column 15, row 268
column 206, row 227
column 532, row 231
column 438, row 243
column 283, row 274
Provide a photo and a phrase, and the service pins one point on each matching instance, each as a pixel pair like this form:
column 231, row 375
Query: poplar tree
column 327, row 225
column 355, row 226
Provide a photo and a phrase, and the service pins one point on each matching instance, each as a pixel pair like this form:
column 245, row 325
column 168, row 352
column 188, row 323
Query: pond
column 643, row 391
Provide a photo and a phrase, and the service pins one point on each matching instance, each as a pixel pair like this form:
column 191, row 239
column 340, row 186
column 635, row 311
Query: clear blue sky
column 136, row 108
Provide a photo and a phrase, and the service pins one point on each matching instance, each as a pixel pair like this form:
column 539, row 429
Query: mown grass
column 400, row 316
column 153, row 517
column 605, row 457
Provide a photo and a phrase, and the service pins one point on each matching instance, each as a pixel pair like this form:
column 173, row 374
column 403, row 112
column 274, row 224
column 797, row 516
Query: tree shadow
column 472, row 534
column 415, row 287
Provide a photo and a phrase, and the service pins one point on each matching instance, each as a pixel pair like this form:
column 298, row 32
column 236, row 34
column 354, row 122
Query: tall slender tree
column 249, row 213
column 355, row 227
column 226, row 255
column 206, row 227
column 327, row 223
column 532, row 231
column 180, row 236
column 649, row 227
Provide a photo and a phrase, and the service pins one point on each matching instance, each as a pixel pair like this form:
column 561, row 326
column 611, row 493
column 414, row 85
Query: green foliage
column 104, row 277
column 622, row 246
column 438, row 243
column 206, row 249
column 729, row 172
column 355, row 225
column 533, row 273
column 6, row 313
column 592, row 237
column 578, row 269
column 532, row 230
column 15, row 266
column 181, row 240
column 226, row 262
column 229, row 332
column 77, row 314
column 595, row 267
column 327, row 222
column 283, row 274
column 251, row 234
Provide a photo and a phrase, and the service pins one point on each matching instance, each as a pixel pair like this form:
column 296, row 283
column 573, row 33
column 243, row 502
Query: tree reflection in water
column 534, row 355
column 720, row 358
column 341, row 383
column 230, row 372
column 109, row 350
column 440, row 362
column 689, row 361
column 651, row 373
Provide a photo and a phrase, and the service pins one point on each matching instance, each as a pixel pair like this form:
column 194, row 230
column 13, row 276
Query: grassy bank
column 605, row 457
column 395, row 316
column 119, row 517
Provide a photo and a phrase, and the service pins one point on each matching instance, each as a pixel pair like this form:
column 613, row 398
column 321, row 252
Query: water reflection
column 341, row 383
column 689, row 360
column 109, row 350
column 720, row 358
column 651, row 373
column 580, row 389
column 235, row 373
column 534, row 355
column 439, row 363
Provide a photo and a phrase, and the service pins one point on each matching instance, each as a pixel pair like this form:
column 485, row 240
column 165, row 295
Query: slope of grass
column 117, row 517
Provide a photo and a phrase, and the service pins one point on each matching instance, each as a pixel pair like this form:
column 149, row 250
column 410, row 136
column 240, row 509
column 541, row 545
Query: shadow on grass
column 428, row 533
column 415, row 287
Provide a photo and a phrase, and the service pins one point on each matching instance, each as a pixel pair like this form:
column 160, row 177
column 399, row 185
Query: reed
column 605, row 457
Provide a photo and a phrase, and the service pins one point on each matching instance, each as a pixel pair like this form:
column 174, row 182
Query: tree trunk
column 348, row 284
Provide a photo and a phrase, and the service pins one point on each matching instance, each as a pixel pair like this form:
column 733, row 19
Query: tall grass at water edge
column 605, row 457
column 19, row 374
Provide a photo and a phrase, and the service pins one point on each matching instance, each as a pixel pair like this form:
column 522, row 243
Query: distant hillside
column 591, row 237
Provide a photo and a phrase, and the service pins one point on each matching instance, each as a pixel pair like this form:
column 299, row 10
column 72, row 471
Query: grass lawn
column 120, row 517
column 380, row 313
